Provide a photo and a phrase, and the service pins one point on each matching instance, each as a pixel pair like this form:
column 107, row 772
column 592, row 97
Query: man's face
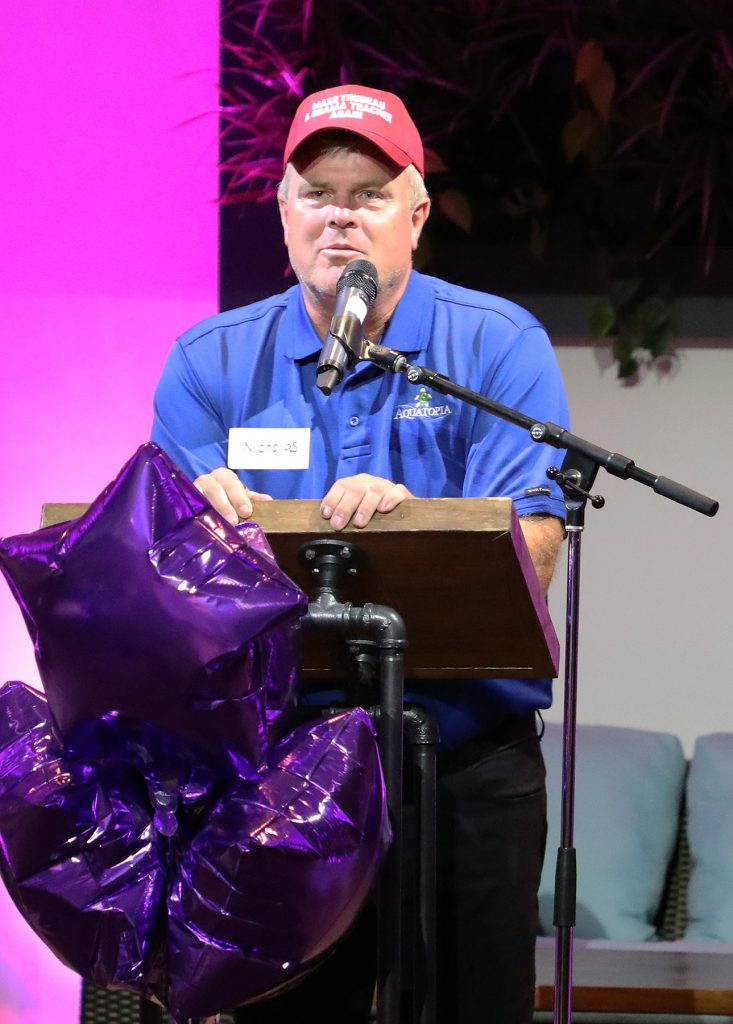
column 349, row 204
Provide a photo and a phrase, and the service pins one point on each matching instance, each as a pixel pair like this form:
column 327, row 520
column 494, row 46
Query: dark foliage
column 589, row 127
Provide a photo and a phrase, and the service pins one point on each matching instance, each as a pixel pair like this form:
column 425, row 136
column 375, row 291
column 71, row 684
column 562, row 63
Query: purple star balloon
column 151, row 604
column 159, row 827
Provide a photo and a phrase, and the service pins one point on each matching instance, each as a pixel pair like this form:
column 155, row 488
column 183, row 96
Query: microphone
column 355, row 292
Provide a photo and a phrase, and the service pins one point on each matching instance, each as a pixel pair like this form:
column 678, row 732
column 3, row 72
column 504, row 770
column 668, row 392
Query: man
column 353, row 188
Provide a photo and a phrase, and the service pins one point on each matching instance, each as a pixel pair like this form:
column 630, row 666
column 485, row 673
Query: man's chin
column 325, row 278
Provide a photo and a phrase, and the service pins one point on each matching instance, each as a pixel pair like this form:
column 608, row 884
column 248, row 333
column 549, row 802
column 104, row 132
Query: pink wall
column 109, row 240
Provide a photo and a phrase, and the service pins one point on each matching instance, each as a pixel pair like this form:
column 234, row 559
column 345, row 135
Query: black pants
column 491, row 837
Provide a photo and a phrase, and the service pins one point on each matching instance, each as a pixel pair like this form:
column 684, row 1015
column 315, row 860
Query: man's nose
column 342, row 217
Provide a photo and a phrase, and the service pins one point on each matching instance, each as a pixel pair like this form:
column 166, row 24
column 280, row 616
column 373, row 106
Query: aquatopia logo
column 421, row 408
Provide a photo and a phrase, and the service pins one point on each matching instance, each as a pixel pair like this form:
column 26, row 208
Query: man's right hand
column 229, row 496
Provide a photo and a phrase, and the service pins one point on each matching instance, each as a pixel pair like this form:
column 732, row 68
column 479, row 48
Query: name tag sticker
column 269, row 447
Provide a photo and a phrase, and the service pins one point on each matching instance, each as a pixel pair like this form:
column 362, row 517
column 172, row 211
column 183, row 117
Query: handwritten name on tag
column 269, row 447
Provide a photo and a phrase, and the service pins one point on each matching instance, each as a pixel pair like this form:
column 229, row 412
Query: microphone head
column 360, row 274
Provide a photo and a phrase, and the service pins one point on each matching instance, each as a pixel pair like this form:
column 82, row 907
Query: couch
column 654, row 842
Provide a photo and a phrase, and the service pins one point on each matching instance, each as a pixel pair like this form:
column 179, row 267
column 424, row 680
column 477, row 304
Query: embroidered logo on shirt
column 421, row 408
column 531, row 491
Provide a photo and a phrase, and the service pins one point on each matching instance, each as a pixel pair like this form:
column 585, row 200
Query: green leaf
column 658, row 341
column 654, row 312
column 627, row 367
column 624, row 348
column 623, row 289
column 601, row 319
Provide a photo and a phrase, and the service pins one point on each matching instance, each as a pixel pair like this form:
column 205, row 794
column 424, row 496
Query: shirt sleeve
column 503, row 459
column 186, row 423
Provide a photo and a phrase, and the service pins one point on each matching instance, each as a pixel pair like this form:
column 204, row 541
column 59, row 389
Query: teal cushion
column 710, row 833
column 629, row 785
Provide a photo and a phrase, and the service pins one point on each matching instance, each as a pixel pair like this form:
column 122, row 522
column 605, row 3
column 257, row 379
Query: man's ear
column 283, row 208
column 419, row 216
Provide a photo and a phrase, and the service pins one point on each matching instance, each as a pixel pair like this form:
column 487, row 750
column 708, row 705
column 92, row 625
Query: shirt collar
column 407, row 331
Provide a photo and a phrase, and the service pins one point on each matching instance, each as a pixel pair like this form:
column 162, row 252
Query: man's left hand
column 355, row 499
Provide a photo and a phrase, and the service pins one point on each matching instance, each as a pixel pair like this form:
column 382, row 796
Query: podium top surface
column 456, row 569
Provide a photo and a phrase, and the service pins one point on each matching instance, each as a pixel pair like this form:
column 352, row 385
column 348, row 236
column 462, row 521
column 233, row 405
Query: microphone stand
column 575, row 477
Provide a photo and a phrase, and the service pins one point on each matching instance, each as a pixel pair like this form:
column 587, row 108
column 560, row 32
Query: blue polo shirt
column 256, row 367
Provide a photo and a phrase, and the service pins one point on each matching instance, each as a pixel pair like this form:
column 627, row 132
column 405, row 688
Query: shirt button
column 353, row 421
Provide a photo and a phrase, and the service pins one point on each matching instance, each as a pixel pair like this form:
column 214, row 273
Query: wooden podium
column 456, row 569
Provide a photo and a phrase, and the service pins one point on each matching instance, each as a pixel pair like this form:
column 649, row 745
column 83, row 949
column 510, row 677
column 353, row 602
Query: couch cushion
column 629, row 785
column 710, row 833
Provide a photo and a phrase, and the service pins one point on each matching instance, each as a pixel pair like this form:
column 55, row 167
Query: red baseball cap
column 378, row 116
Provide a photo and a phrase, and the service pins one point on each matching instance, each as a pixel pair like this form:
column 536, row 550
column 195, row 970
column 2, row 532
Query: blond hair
column 338, row 142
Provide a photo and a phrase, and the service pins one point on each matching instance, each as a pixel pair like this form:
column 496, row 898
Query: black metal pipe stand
column 422, row 733
column 150, row 1013
column 329, row 560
